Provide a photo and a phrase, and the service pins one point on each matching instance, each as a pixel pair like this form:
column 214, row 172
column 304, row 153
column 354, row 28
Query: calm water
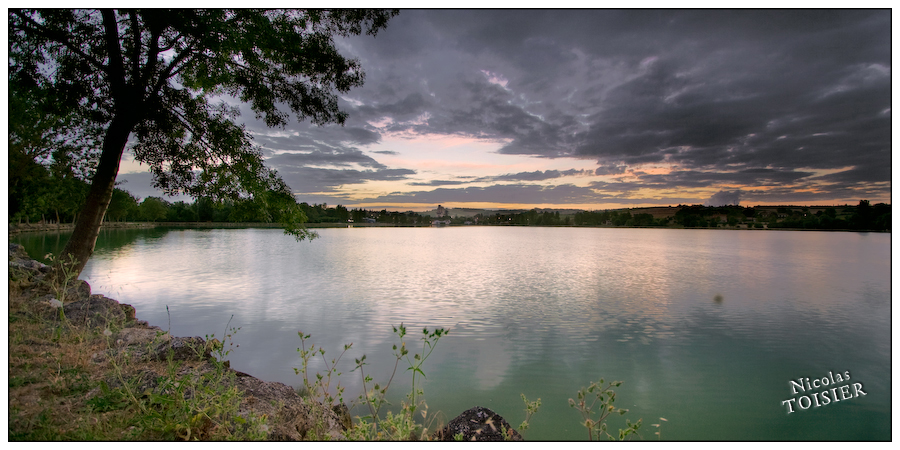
column 705, row 327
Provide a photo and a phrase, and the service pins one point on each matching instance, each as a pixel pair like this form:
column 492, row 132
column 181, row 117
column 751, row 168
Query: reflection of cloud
column 491, row 359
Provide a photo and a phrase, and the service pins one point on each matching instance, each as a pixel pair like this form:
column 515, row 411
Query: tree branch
column 116, row 65
column 152, row 59
column 58, row 38
column 136, row 51
column 210, row 149
column 167, row 72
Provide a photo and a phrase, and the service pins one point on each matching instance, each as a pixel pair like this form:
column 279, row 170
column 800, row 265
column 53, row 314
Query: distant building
column 441, row 211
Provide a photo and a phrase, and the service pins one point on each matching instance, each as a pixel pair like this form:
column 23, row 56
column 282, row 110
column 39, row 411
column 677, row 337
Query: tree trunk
column 80, row 246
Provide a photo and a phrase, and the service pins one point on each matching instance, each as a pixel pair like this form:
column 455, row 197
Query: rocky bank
column 290, row 417
column 145, row 345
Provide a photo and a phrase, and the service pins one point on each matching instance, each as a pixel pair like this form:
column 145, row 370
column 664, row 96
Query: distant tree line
column 618, row 218
column 408, row 218
column 861, row 217
column 531, row 217
column 53, row 192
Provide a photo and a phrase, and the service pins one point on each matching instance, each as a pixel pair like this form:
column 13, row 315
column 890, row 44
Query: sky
column 599, row 109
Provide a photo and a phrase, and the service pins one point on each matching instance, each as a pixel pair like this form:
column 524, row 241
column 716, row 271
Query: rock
column 141, row 336
column 182, row 349
column 295, row 417
column 20, row 262
column 17, row 251
column 129, row 312
column 478, row 424
column 95, row 311
column 29, row 265
column 78, row 290
column 343, row 414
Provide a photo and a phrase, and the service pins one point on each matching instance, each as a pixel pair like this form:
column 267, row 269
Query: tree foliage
column 168, row 78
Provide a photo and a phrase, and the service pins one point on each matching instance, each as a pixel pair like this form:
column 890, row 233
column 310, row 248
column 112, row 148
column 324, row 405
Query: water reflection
column 543, row 311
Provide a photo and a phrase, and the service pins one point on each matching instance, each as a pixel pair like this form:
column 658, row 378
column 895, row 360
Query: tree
column 122, row 206
column 154, row 208
column 161, row 76
column 47, row 161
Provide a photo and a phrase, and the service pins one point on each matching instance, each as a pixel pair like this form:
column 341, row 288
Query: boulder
column 296, row 418
column 17, row 251
column 94, row 311
column 478, row 424
column 20, row 262
column 182, row 349
column 141, row 336
column 78, row 290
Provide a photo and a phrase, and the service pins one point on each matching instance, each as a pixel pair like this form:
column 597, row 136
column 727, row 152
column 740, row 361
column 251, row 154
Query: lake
column 706, row 328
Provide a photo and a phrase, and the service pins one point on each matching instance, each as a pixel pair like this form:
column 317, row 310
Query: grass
column 72, row 383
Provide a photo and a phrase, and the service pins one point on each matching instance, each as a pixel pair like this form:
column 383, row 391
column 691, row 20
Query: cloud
column 140, row 184
column 723, row 198
column 762, row 102
column 327, row 157
column 698, row 91
column 537, row 175
column 438, row 183
column 521, row 194
column 610, row 170
column 508, row 193
column 304, row 180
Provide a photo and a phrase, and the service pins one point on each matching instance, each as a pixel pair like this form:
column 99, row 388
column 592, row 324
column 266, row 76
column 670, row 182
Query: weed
column 216, row 347
column 318, row 393
column 607, row 397
column 401, row 426
column 58, row 280
column 390, row 426
column 530, row 409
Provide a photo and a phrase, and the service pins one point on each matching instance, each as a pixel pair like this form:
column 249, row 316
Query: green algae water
column 711, row 329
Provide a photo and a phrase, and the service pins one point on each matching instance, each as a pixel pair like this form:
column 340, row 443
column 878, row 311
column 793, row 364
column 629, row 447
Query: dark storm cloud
column 759, row 95
column 510, row 193
column 522, row 194
column 610, row 170
column 330, row 157
column 759, row 99
column 303, row 180
column 439, row 183
column 698, row 179
column 841, row 195
column 723, row 198
column 537, row 175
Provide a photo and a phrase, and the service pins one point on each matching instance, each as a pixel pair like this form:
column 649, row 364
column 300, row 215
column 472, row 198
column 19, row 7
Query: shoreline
column 101, row 340
column 113, row 370
column 15, row 229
